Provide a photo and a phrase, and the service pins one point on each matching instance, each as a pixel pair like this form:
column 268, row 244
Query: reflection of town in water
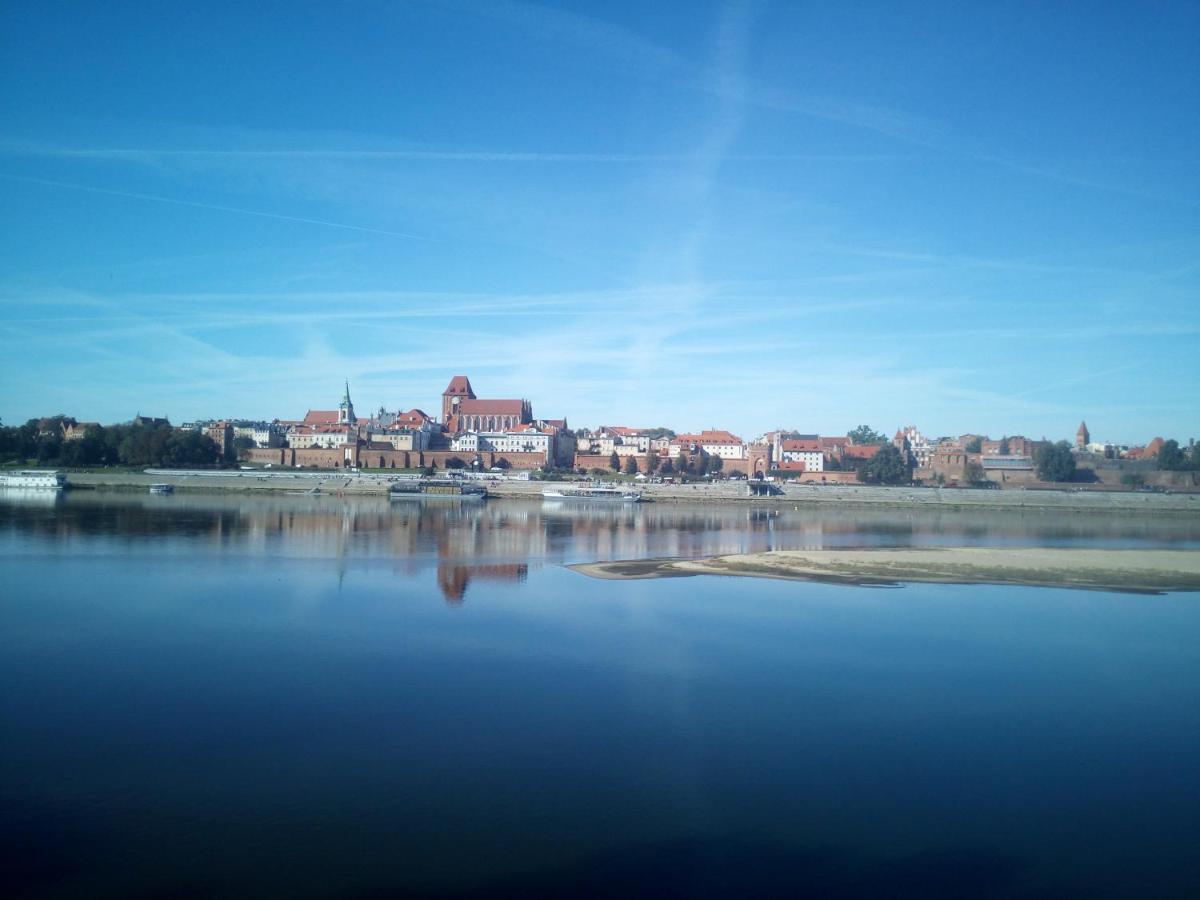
column 499, row 541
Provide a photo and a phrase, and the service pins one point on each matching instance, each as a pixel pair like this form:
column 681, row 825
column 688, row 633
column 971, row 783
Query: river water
column 314, row 696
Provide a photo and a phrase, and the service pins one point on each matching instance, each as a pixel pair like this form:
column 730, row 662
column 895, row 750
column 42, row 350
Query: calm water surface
column 314, row 696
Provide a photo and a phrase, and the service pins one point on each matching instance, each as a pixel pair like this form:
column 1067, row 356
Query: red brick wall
column 489, row 458
column 791, row 465
column 828, row 477
column 600, row 461
column 276, row 456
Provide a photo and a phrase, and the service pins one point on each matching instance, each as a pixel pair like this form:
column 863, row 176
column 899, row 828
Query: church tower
column 1082, row 437
column 457, row 391
column 346, row 409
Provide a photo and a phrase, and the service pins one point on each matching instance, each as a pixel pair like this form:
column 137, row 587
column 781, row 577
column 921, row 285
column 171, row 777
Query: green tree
column 631, row 466
column 1055, row 462
column 864, row 435
column 682, row 465
column 652, row 462
column 667, row 467
column 614, row 462
column 1196, row 456
column 1171, row 458
column 242, row 445
column 715, row 464
column 1004, row 446
column 974, row 445
column 886, row 467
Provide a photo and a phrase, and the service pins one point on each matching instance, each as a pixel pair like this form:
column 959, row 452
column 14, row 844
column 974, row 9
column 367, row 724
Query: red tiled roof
column 491, row 407
column 459, row 385
column 833, row 442
column 707, row 437
column 412, row 417
column 801, row 446
column 321, row 417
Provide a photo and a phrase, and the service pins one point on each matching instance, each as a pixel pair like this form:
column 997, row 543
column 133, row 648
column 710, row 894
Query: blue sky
column 978, row 217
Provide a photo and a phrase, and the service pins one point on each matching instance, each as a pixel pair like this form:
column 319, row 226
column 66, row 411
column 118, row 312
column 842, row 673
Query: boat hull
column 591, row 498
column 34, row 479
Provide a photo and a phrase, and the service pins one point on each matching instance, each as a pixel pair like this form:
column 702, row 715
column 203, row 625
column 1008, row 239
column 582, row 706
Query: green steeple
column 346, row 407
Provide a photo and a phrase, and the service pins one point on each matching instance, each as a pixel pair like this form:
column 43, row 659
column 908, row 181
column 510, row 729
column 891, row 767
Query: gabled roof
column 460, row 386
column 801, row 446
column 321, row 417
column 412, row 417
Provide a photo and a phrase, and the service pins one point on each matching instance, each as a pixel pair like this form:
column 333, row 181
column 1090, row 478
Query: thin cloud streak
column 150, row 154
column 213, row 207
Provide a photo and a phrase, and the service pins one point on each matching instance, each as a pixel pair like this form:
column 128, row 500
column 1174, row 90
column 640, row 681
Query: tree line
column 41, row 441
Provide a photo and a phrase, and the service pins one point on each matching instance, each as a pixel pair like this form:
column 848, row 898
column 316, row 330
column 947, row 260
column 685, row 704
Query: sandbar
column 1136, row 570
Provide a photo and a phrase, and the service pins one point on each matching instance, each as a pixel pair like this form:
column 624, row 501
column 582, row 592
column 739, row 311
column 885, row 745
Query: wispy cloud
column 158, row 154
column 212, row 207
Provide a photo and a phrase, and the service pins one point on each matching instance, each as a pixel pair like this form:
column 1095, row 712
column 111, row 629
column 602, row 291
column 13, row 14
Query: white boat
column 46, row 479
column 603, row 493
column 163, row 488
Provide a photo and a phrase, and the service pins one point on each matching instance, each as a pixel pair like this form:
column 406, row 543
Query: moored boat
column 438, row 489
column 162, row 488
column 602, row 493
column 47, row 479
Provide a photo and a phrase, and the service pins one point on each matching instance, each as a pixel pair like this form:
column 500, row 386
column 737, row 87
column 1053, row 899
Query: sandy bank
column 1115, row 570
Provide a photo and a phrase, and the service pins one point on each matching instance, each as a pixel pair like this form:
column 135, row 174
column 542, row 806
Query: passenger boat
column 161, row 488
column 438, row 489
column 47, row 479
column 602, row 493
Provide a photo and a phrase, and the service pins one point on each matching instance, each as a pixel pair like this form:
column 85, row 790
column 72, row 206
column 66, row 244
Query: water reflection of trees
column 498, row 541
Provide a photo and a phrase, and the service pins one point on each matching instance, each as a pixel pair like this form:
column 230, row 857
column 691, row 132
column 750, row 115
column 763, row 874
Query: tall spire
column 346, row 408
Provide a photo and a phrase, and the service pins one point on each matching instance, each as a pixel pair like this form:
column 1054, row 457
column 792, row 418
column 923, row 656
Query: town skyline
column 433, row 407
column 441, row 412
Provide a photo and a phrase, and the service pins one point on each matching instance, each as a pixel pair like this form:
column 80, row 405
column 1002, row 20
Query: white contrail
column 210, row 206
column 139, row 154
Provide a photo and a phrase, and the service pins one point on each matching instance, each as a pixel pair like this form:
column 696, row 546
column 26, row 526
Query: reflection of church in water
column 453, row 578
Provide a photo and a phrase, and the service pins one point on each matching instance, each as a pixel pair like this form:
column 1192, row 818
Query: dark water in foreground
column 296, row 696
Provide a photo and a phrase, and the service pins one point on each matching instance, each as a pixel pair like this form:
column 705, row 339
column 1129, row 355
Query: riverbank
column 846, row 496
column 1140, row 571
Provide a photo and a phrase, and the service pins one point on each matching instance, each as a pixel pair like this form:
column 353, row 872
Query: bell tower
column 346, row 409
column 456, row 392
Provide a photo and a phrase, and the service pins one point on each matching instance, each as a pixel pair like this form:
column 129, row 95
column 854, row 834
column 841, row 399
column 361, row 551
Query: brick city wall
column 588, row 461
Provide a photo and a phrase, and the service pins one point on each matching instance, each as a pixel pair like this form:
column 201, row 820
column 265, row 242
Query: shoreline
column 796, row 496
column 1126, row 571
